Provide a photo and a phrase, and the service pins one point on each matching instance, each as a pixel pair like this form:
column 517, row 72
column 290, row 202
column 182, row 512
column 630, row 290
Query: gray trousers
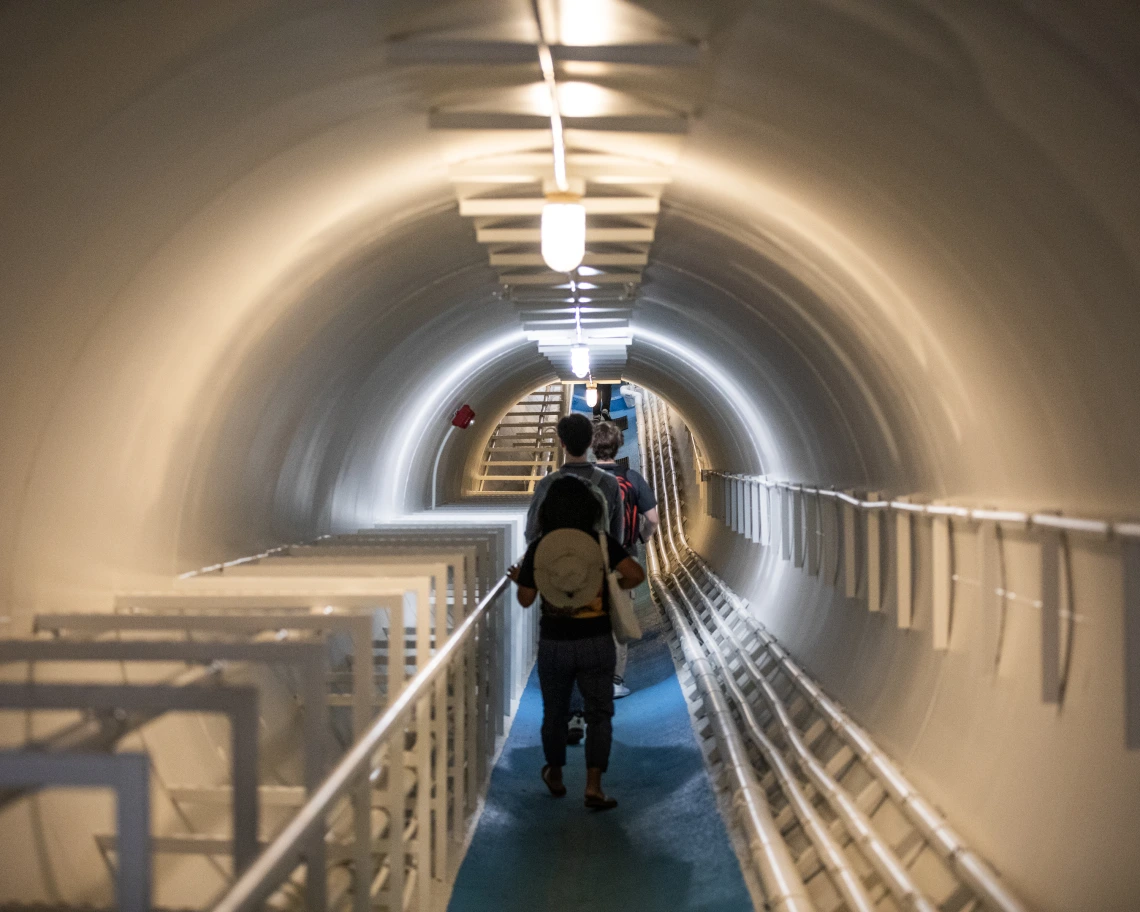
column 590, row 664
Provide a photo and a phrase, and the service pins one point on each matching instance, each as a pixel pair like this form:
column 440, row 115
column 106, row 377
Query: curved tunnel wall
column 900, row 252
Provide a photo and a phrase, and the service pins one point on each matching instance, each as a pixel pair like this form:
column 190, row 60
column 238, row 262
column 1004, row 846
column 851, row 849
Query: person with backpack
column 567, row 565
column 575, row 433
column 639, row 513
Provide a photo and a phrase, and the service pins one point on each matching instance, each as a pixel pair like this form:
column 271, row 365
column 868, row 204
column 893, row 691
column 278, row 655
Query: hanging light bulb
column 591, row 394
column 563, row 231
column 580, row 359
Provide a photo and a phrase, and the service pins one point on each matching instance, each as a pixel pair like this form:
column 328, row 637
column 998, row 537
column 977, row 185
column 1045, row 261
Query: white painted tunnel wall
column 901, row 252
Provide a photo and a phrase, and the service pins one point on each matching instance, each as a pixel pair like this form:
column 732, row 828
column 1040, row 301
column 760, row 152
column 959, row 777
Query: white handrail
column 270, row 868
column 1100, row 528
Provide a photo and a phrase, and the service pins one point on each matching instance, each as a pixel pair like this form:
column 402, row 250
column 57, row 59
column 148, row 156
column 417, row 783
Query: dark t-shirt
column 553, row 627
column 645, row 500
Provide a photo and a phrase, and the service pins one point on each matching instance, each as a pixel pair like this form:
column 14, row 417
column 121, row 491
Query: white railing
column 1100, row 528
column 423, row 889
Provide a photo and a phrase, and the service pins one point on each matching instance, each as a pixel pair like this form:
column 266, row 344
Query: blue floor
column 618, row 408
column 665, row 846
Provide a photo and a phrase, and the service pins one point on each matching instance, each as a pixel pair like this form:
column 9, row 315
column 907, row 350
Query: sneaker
column 620, row 690
column 577, row 730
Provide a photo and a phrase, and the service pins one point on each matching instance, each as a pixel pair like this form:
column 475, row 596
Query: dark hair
column 576, row 431
column 608, row 439
column 569, row 504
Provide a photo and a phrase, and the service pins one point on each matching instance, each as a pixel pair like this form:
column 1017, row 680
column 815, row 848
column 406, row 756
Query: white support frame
column 238, row 702
column 941, row 568
column 904, row 571
column 814, row 534
column 850, row 556
column 358, row 624
column 128, row 774
column 1131, row 592
column 1050, row 547
column 872, row 553
column 311, row 659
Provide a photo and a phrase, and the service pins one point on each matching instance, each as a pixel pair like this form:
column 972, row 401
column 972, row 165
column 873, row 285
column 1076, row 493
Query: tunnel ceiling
column 897, row 248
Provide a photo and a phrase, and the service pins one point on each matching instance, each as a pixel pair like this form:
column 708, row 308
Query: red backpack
column 629, row 507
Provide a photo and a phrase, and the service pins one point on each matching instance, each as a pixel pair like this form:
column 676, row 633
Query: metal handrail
column 286, row 851
column 1099, row 528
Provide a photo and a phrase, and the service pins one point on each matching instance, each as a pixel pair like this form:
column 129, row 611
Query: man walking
column 576, row 433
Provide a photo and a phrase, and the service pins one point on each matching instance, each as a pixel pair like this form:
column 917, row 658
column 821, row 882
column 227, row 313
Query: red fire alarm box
column 464, row 418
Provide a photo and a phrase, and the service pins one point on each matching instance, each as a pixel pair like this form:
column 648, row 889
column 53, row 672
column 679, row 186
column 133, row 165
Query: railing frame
column 285, row 853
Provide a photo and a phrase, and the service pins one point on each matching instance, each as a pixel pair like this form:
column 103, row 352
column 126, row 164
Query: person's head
column 575, row 431
column 569, row 504
column 607, row 440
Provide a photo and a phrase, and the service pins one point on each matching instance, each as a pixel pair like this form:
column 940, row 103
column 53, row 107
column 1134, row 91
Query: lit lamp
column 580, row 359
column 563, row 231
column 591, row 394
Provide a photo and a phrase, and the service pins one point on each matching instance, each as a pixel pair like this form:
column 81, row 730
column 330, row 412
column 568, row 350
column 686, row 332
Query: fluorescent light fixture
column 591, row 394
column 580, row 359
column 563, row 232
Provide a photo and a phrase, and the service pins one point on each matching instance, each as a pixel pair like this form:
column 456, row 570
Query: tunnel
column 256, row 256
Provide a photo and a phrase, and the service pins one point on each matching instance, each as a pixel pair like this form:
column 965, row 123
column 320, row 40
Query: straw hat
column 568, row 568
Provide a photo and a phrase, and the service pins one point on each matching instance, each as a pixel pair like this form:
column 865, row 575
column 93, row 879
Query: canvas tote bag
column 623, row 618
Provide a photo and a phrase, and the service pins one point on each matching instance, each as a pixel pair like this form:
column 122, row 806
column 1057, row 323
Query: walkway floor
column 664, row 848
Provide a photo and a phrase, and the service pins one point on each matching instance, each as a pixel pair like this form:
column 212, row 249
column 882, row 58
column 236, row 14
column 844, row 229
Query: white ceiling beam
column 528, row 313
column 534, row 236
column 590, row 165
column 590, row 259
column 493, row 178
column 616, row 123
column 567, row 326
column 465, row 52
column 554, row 278
column 595, row 205
column 609, row 336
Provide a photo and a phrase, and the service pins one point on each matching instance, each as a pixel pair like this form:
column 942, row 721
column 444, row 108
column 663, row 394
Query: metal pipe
column 974, row 870
column 783, row 887
column 287, row 850
column 843, row 876
column 858, row 826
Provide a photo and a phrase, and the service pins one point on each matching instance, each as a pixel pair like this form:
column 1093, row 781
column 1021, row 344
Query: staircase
column 524, row 447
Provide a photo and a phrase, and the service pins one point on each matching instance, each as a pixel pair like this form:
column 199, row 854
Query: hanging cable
column 546, row 63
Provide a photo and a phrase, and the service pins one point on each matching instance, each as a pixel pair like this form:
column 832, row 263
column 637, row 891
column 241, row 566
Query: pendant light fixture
column 579, row 351
column 563, row 231
column 591, row 394
column 580, row 359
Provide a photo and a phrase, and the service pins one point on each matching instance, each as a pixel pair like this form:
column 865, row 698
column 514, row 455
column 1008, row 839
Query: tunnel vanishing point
column 867, row 273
